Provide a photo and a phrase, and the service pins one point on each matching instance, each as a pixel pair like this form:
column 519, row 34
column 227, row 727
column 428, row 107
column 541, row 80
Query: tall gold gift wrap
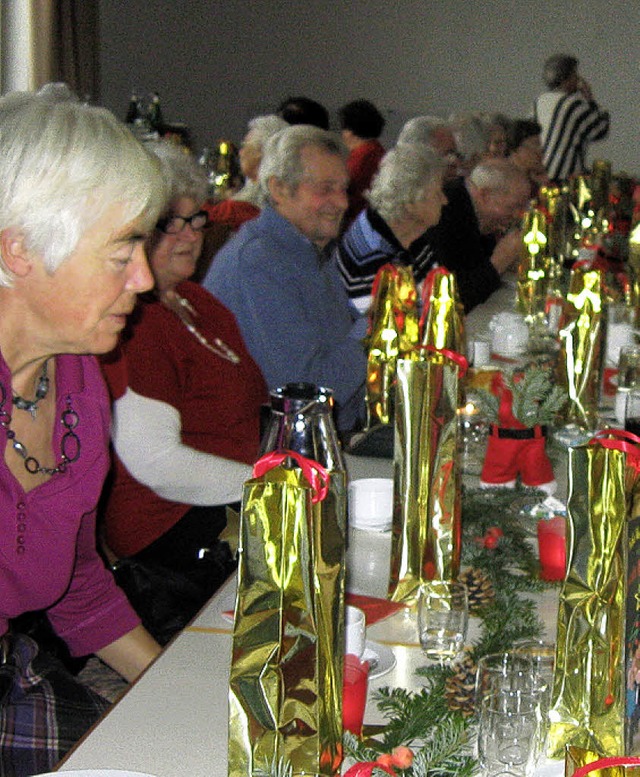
column 534, row 266
column 426, row 520
column 581, row 346
column 393, row 334
column 597, row 602
column 285, row 687
column 442, row 318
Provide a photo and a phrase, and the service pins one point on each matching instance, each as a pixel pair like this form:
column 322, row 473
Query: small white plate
column 381, row 658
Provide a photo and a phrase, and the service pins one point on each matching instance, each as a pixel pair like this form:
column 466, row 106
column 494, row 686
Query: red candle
column 552, row 548
column 354, row 693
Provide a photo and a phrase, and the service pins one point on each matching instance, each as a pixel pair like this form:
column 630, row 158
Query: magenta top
column 48, row 556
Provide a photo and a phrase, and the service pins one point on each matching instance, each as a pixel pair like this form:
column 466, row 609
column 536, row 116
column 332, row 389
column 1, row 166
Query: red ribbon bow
column 315, row 473
column 620, row 440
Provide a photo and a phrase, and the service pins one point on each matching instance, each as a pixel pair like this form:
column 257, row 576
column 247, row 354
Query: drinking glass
column 443, row 615
column 632, row 411
column 509, row 727
column 497, row 672
column 629, row 366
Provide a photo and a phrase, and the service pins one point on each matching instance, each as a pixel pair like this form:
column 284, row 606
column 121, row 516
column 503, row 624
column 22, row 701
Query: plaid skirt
column 44, row 710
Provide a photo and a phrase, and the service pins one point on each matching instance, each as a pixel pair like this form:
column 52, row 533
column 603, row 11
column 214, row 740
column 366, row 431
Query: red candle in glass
column 552, row 548
column 354, row 693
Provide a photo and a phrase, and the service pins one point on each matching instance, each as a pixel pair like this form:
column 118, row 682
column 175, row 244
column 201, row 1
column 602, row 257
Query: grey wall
column 217, row 63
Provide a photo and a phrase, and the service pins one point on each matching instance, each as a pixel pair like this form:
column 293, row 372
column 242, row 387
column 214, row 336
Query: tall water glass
column 443, row 616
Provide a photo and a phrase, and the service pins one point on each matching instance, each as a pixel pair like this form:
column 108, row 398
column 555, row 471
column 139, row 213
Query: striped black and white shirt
column 569, row 123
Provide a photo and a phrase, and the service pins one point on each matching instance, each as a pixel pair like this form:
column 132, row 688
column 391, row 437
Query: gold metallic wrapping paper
column 426, row 521
column 442, row 319
column 393, row 333
column 285, row 688
column 576, row 758
column 555, row 201
column 581, row 347
column 588, row 701
column 533, row 269
column 634, row 267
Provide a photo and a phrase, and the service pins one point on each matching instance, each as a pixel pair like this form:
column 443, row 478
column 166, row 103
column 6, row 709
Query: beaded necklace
column 69, row 445
column 42, row 389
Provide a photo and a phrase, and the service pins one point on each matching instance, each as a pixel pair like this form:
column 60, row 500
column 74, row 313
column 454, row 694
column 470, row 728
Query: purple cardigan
column 48, row 557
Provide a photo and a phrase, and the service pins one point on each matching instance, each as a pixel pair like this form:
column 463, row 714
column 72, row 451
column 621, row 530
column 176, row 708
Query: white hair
column 471, row 133
column 497, row 175
column 421, row 129
column 62, row 164
column 282, row 155
column 263, row 127
column 403, row 175
column 183, row 176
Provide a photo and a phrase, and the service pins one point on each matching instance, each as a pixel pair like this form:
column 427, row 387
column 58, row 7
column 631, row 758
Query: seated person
column 71, row 265
column 525, row 151
column 304, row 110
column 405, row 200
column 246, row 203
column 472, row 136
column 498, row 126
column 187, row 406
column 361, row 124
column 438, row 135
column 277, row 277
column 478, row 236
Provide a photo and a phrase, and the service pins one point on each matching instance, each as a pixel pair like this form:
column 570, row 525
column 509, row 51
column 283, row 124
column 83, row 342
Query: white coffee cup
column 371, row 503
column 510, row 334
column 355, row 631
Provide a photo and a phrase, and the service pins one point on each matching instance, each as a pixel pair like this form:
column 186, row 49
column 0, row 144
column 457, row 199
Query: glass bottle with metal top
column 301, row 420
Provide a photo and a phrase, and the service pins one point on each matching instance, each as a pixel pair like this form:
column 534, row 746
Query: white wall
column 217, row 63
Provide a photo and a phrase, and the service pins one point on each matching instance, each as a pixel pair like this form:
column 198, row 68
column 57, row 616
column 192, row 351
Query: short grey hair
column 282, row 155
column 421, row 129
column 497, row 175
column 263, row 127
column 183, row 176
column 404, row 174
column 62, row 164
column 472, row 134
column 558, row 68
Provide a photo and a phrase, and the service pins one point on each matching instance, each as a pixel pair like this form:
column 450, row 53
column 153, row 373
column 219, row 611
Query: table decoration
column 285, row 684
column 426, row 521
column 442, row 318
column 535, row 265
column 599, row 612
column 392, row 335
column 634, row 265
column 580, row 762
column 520, row 407
column 581, row 347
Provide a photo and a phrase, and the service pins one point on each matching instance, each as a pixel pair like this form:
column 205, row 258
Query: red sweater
column 218, row 401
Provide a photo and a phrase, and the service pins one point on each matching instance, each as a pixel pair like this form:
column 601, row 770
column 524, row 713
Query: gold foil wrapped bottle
column 534, row 266
column 426, row 522
column 581, row 347
column 393, row 334
column 442, row 318
column 598, row 609
column 285, row 685
column 634, row 267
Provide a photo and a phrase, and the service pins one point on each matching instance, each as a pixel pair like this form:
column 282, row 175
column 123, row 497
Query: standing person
column 277, row 277
column 186, row 422
column 361, row 124
column 78, row 195
column 570, row 118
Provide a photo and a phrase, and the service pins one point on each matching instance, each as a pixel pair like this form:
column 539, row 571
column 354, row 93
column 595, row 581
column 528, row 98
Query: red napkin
column 374, row 609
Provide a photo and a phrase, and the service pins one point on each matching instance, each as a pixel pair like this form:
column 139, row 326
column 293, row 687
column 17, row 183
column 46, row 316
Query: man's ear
column 15, row 255
column 277, row 189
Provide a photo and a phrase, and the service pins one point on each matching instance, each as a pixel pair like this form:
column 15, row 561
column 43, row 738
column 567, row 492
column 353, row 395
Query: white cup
column 371, row 503
column 510, row 334
column 355, row 631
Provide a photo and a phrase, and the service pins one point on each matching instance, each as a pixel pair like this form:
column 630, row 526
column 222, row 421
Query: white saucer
column 376, row 527
column 381, row 658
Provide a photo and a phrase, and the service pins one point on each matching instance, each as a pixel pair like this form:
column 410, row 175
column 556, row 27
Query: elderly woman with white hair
column 186, row 421
column 405, row 199
column 78, row 195
column 246, row 203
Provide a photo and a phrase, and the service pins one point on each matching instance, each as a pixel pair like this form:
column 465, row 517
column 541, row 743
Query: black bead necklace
column 42, row 389
column 69, row 445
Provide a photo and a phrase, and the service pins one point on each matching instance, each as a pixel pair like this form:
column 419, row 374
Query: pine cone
column 479, row 588
column 460, row 687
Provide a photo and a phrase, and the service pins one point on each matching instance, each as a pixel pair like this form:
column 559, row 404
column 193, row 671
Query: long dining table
column 173, row 721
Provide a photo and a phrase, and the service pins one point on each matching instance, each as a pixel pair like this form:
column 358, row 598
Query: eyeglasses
column 174, row 224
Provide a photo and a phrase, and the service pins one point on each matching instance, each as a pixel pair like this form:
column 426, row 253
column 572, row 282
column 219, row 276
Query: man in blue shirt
column 277, row 277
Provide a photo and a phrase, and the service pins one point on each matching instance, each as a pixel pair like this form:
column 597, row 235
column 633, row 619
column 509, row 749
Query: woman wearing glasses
column 186, row 417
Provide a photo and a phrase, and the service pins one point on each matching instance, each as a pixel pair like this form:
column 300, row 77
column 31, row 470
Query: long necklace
column 69, row 445
column 183, row 309
column 42, row 389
